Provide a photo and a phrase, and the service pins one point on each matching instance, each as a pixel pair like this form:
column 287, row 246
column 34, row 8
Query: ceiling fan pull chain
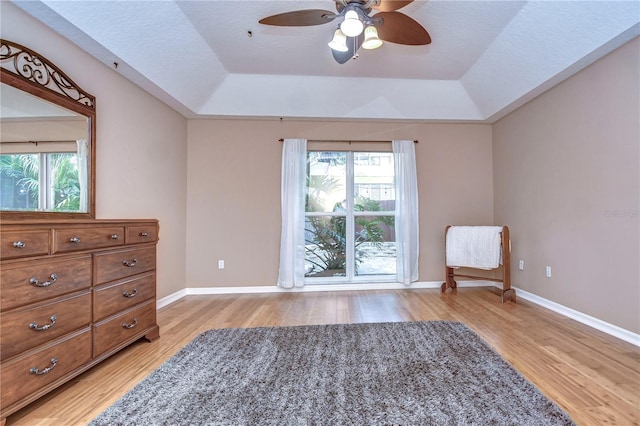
column 355, row 48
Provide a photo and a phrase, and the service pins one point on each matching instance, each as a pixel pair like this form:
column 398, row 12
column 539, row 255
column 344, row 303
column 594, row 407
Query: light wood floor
column 592, row 376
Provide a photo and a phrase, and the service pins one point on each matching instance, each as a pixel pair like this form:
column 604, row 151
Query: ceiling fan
column 358, row 28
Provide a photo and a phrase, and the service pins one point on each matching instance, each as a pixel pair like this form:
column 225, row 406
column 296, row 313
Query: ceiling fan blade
column 391, row 5
column 399, row 28
column 353, row 43
column 300, row 18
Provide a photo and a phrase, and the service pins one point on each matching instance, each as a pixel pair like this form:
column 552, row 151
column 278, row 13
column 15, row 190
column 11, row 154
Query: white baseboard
column 167, row 300
column 603, row 326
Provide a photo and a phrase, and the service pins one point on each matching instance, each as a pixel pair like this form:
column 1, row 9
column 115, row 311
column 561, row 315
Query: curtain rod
column 37, row 142
column 349, row 141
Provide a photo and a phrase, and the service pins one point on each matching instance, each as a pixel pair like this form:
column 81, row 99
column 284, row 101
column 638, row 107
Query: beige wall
column 234, row 190
column 566, row 179
column 141, row 144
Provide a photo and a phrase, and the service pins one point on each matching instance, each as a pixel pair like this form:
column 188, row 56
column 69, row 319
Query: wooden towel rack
column 507, row 292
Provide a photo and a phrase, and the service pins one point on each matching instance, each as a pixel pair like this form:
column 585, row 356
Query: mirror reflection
column 44, row 155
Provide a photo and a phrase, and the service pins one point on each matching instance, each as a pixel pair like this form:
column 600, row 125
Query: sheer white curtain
column 83, row 165
column 292, row 188
column 406, row 214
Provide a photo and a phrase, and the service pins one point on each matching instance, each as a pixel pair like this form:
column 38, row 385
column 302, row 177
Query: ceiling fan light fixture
column 371, row 39
column 352, row 26
column 339, row 41
column 366, row 24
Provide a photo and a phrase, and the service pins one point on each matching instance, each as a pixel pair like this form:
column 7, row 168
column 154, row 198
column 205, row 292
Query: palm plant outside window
column 25, row 177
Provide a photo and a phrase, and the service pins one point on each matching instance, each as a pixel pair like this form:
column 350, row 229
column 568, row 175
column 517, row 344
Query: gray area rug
column 406, row 373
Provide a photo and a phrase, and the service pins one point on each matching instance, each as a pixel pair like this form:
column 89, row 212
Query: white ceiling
column 486, row 58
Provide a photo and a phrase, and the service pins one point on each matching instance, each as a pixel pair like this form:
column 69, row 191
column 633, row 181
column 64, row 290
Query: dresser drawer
column 36, row 280
column 114, row 265
column 74, row 239
column 122, row 295
column 26, row 328
column 20, row 377
column 128, row 325
column 24, row 243
column 142, row 234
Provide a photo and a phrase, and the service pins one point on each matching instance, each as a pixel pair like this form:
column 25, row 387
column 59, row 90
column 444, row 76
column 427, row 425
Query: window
column 22, row 177
column 349, row 217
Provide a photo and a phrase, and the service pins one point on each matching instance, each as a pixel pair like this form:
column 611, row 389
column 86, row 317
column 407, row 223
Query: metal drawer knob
column 36, row 327
column 144, row 234
column 114, row 237
column 131, row 263
column 19, row 244
column 130, row 294
column 74, row 240
column 130, row 325
column 34, row 370
column 53, row 277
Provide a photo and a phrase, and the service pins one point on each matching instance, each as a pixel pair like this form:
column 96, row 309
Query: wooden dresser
column 73, row 292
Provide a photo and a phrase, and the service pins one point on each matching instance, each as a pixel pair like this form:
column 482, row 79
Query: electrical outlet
column 548, row 271
column 220, row 264
column 521, row 265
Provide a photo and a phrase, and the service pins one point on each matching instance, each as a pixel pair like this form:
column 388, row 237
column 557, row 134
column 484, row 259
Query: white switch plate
column 548, row 271
column 220, row 264
column 521, row 265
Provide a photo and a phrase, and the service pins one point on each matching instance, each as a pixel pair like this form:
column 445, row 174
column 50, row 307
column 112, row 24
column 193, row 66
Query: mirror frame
column 31, row 72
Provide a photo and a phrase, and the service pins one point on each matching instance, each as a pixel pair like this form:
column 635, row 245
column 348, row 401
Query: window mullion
column 43, row 179
column 350, row 243
column 320, row 214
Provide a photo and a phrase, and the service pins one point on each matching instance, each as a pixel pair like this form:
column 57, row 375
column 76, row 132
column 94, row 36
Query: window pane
column 375, row 245
column 374, row 188
column 326, row 177
column 325, row 246
column 64, row 181
column 19, row 182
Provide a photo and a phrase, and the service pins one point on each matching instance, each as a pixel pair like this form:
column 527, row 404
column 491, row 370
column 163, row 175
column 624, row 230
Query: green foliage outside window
column 326, row 239
column 21, row 174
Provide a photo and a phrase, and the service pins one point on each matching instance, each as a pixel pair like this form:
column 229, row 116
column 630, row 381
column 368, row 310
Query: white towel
column 473, row 247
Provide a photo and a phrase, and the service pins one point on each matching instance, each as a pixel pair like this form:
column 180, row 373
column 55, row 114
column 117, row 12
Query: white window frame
column 351, row 214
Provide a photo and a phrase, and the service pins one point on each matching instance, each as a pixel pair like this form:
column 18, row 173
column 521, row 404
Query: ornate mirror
column 47, row 139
